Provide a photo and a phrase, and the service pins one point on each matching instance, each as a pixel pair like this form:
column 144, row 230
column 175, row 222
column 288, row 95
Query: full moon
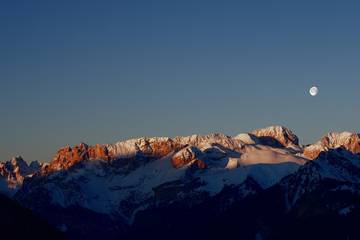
column 313, row 91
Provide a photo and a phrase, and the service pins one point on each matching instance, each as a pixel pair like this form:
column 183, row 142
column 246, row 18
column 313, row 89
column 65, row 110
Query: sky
column 103, row 71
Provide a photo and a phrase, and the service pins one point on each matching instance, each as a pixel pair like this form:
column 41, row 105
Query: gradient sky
column 102, row 71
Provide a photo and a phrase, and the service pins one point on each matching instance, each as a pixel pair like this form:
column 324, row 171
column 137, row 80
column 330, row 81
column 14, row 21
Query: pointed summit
column 277, row 136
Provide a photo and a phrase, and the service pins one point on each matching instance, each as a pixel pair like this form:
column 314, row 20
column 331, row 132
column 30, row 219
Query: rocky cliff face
column 188, row 155
column 347, row 140
column 69, row 156
column 13, row 173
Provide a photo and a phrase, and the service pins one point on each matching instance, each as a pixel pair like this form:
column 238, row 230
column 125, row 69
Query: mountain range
column 257, row 185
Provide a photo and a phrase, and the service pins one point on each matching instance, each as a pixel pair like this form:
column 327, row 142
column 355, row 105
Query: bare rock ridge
column 68, row 156
column 13, row 172
column 188, row 155
column 347, row 140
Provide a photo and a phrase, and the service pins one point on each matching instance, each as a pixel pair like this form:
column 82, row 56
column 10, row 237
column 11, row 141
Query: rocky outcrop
column 13, row 173
column 150, row 147
column 146, row 147
column 98, row 152
column 188, row 155
column 157, row 147
column 347, row 140
column 69, row 156
column 276, row 136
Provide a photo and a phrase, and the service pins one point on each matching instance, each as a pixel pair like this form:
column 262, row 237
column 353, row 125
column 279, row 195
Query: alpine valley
column 259, row 185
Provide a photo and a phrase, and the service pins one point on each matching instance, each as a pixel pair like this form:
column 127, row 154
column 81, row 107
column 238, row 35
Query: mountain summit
column 277, row 136
column 349, row 141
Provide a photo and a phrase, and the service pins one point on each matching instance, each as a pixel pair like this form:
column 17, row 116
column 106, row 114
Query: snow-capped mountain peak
column 348, row 140
column 277, row 136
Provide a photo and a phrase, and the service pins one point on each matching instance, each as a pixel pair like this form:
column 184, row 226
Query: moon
column 314, row 91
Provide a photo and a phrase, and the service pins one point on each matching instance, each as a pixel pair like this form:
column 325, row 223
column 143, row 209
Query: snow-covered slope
column 247, row 138
column 339, row 165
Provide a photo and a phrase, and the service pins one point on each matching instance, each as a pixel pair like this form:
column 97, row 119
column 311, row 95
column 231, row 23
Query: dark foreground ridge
column 17, row 222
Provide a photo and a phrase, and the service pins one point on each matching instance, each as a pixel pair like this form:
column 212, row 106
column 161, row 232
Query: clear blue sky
column 101, row 71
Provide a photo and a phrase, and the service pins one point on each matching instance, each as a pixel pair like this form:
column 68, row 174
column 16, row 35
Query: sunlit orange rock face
column 156, row 147
column 200, row 164
column 186, row 156
column 311, row 153
column 98, row 152
column 68, row 156
column 349, row 141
